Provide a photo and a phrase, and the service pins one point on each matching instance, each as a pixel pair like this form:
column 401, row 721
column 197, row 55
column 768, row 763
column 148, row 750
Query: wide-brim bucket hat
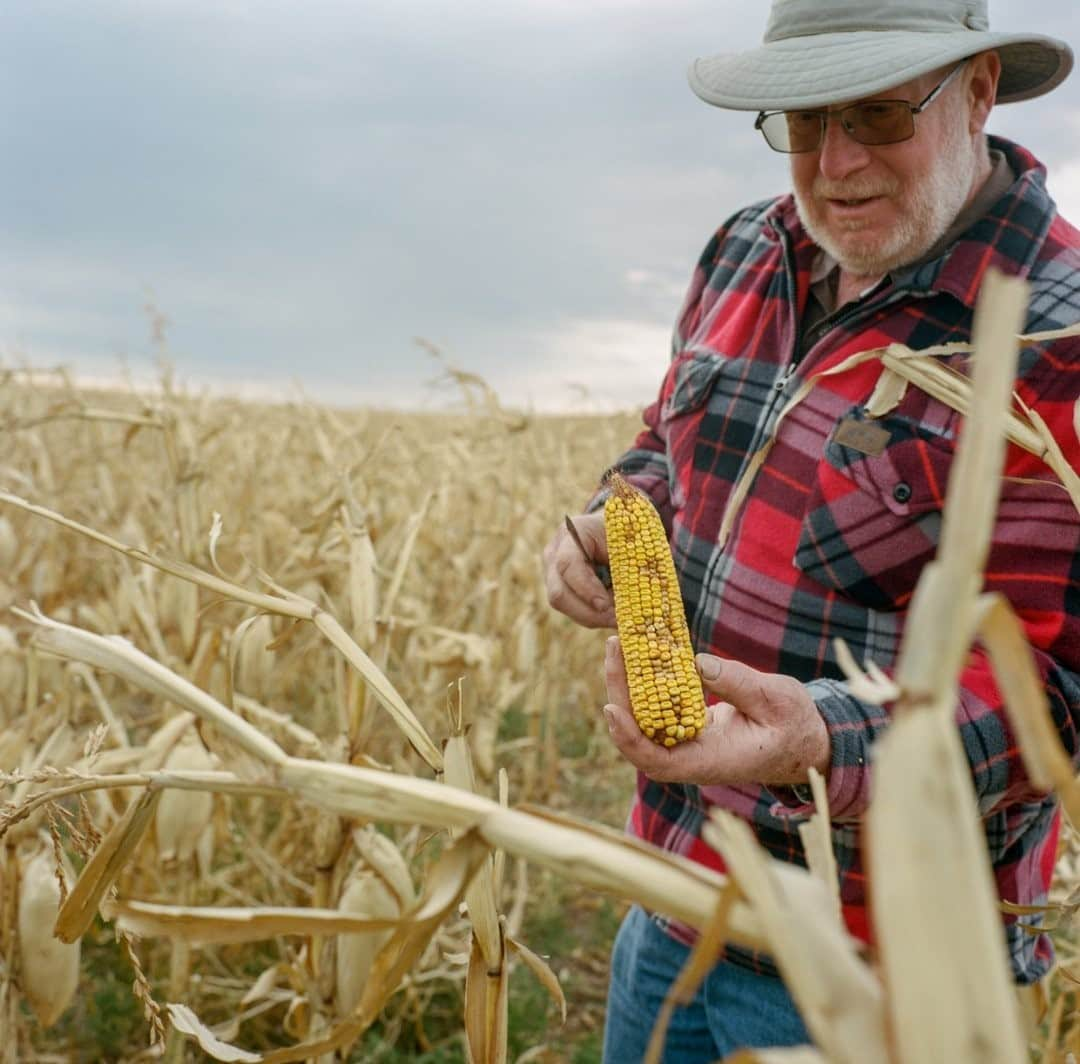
column 820, row 52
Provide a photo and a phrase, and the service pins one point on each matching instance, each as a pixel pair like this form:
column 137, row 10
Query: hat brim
column 830, row 68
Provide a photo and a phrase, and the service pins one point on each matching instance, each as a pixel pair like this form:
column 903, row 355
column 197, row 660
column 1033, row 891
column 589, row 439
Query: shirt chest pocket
column 707, row 421
column 873, row 520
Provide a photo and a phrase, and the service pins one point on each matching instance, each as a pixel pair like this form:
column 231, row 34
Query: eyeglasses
column 872, row 122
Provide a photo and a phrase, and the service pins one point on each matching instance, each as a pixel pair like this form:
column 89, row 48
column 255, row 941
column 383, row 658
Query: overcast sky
column 303, row 188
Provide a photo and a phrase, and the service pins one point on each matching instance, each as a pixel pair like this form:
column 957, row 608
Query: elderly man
column 900, row 204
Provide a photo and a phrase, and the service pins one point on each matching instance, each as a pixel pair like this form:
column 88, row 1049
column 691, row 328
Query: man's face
column 874, row 208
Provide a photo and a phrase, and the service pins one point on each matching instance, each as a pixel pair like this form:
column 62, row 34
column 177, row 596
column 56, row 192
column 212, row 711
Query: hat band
column 808, row 18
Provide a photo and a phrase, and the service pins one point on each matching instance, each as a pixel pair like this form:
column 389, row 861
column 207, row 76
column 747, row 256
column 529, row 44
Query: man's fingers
column 598, row 612
column 618, row 688
column 689, row 762
column 580, row 577
column 627, row 736
column 592, row 535
column 654, row 760
column 572, row 586
column 641, row 752
column 576, row 559
column 579, row 554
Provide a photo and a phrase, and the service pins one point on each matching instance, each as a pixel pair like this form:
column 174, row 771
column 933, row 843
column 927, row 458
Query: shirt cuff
column 853, row 727
column 597, row 501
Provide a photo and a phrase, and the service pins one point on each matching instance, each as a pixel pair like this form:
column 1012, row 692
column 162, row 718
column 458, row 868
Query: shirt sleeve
column 989, row 743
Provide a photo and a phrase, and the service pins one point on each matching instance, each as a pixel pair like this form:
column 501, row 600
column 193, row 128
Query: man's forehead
column 912, row 90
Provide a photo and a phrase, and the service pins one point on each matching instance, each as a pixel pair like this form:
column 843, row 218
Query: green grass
column 573, row 931
column 373, row 1050
column 106, row 1020
column 513, row 724
column 589, row 1050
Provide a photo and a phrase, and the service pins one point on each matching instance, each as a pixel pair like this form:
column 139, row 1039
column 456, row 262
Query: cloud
column 303, row 190
column 654, row 288
column 591, row 364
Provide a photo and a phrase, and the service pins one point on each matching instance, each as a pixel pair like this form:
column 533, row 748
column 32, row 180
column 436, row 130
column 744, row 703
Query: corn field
column 292, row 745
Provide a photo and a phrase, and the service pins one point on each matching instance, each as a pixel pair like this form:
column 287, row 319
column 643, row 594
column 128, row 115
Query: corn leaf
column 107, row 862
column 217, row 925
column 186, row 1022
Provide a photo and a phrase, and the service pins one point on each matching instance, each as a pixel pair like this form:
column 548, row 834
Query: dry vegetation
column 422, row 534
column 210, row 811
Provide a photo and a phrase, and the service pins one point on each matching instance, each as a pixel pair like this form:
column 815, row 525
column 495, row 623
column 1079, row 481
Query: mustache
column 852, row 189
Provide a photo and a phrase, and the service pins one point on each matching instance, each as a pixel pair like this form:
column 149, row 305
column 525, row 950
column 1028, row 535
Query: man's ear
column 982, row 83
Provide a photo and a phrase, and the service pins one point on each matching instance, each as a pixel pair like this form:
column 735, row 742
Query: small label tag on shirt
column 862, row 436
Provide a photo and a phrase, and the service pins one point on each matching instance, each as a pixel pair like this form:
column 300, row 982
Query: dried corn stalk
column 441, row 572
column 930, row 877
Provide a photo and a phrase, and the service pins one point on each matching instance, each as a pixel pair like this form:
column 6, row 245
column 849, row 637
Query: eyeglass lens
column 873, row 122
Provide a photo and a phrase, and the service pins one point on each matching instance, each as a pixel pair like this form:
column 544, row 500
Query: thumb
column 708, row 666
column 731, row 680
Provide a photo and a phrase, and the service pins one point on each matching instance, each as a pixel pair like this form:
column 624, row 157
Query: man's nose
column 840, row 153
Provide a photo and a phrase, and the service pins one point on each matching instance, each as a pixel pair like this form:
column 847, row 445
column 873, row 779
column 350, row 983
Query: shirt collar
column 1008, row 236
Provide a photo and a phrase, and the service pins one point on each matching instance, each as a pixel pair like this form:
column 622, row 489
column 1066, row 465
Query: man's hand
column 766, row 729
column 572, row 585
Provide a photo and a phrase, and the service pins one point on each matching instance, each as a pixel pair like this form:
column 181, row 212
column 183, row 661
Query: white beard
column 931, row 207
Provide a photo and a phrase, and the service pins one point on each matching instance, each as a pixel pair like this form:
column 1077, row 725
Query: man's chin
column 865, row 258
column 856, row 250
column 864, row 262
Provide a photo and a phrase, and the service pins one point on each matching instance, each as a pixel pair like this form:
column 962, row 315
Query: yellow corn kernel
column 665, row 692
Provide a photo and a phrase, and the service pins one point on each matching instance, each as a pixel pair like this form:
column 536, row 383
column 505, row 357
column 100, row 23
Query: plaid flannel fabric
column 831, row 540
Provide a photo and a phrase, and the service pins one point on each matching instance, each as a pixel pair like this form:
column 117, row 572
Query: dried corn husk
column 178, row 609
column 48, row 968
column 12, row 679
column 363, row 578
column 364, row 894
column 183, row 816
column 9, row 546
column 526, row 644
column 161, row 742
column 386, row 861
column 253, row 662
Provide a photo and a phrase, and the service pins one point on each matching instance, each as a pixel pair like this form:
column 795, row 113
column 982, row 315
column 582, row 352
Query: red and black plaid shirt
column 831, row 541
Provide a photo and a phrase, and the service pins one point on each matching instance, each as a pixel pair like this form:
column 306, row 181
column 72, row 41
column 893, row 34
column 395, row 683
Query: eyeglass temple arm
column 941, row 86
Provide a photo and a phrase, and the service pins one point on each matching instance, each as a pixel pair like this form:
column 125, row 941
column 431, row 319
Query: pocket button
column 902, row 492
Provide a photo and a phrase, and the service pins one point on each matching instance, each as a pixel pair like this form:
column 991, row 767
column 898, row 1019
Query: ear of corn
column 183, row 816
column 9, row 546
column 387, row 862
column 364, row 894
column 665, row 692
column 49, row 968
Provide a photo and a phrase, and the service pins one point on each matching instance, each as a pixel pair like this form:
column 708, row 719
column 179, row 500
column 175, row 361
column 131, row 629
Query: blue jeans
column 734, row 1008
